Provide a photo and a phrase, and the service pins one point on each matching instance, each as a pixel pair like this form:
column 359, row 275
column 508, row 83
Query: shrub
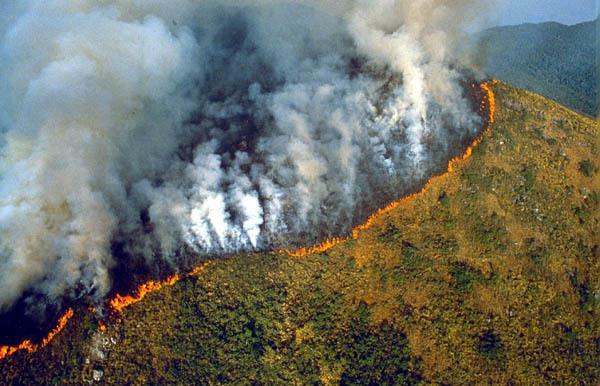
column 587, row 168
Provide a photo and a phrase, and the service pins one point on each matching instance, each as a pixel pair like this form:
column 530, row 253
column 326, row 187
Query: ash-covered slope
column 490, row 276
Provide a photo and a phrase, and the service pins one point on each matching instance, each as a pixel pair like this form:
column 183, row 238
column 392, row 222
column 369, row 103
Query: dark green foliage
column 464, row 276
column 234, row 332
column 587, row 299
column 375, row 355
column 529, row 174
column 570, row 342
column 444, row 199
column 489, row 345
column 536, row 251
column 411, row 259
column 389, row 234
column 587, row 168
column 589, row 209
column 490, row 232
column 558, row 61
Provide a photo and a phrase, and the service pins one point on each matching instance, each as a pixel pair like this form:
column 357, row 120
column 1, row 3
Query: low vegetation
column 492, row 276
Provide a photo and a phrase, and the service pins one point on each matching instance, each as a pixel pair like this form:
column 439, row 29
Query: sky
column 535, row 11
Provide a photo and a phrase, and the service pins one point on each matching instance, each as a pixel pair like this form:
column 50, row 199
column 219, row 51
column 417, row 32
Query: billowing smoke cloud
column 156, row 129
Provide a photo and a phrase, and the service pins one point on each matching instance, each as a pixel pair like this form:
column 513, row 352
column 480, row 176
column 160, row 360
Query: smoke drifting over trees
column 157, row 129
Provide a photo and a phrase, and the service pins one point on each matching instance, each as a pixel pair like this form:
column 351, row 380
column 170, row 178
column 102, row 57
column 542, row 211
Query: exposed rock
column 97, row 375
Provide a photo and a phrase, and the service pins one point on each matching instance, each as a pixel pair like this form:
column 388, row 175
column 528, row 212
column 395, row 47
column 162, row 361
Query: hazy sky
column 533, row 11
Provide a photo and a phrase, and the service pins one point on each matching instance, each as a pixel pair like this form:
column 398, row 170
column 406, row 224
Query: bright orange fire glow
column 490, row 103
column 6, row 351
column 491, row 100
column 197, row 270
column 120, row 302
column 117, row 304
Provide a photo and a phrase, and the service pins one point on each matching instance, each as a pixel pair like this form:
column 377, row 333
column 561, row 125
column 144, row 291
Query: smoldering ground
column 150, row 133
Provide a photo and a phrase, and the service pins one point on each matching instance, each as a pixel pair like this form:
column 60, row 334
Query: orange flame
column 119, row 302
column 6, row 351
column 491, row 100
column 197, row 270
column 330, row 243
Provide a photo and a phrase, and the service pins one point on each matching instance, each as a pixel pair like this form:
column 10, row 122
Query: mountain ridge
column 490, row 276
column 555, row 60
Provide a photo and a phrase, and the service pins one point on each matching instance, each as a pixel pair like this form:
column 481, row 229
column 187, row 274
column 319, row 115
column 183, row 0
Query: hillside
column 555, row 60
column 491, row 276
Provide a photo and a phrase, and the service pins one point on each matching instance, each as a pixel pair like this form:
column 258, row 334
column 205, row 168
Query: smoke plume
column 151, row 131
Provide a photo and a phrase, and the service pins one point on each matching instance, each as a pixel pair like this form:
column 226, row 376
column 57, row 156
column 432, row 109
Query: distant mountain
column 552, row 59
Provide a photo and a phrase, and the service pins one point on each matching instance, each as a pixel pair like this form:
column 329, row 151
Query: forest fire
column 119, row 302
column 6, row 351
column 491, row 100
column 488, row 102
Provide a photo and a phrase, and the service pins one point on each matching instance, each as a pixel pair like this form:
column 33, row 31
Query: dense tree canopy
column 555, row 60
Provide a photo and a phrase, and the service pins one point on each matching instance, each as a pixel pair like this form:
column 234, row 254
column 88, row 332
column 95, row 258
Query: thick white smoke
column 150, row 129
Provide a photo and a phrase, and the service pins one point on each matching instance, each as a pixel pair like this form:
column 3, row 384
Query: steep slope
column 555, row 60
column 489, row 276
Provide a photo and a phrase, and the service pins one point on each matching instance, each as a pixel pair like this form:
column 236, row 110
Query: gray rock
column 97, row 375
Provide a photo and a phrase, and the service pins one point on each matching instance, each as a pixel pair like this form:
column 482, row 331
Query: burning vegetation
column 487, row 105
column 214, row 128
column 27, row 345
column 119, row 302
column 488, row 277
